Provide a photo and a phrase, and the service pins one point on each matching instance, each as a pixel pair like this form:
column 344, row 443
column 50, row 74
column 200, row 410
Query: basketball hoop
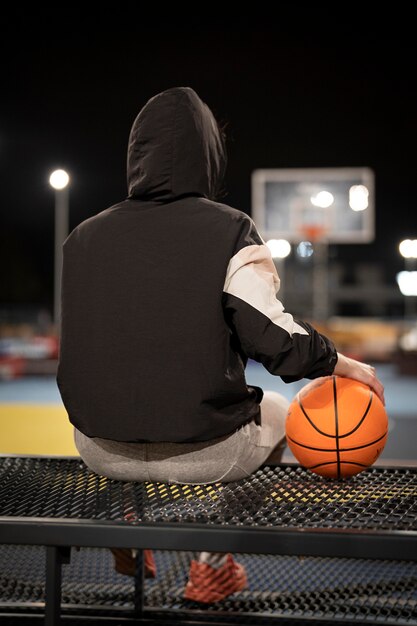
column 313, row 232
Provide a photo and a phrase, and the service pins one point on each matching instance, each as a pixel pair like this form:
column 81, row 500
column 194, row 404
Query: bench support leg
column 139, row 583
column 55, row 556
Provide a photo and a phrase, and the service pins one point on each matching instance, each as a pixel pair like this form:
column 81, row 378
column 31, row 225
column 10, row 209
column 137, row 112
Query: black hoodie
column 167, row 294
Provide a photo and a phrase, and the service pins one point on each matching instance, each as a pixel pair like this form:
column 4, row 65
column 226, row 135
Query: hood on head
column 175, row 148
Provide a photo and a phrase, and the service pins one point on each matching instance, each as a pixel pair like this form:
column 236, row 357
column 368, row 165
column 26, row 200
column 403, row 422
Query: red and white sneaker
column 125, row 562
column 208, row 584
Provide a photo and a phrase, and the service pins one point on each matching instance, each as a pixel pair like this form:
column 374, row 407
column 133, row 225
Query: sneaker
column 125, row 562
column 207, row 584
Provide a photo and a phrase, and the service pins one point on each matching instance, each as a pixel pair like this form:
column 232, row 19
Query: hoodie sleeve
column 289, row 348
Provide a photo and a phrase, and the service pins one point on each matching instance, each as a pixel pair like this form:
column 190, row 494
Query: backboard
column 334, row 205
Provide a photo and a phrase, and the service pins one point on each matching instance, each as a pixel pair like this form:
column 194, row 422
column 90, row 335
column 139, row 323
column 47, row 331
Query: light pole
column 59, row 180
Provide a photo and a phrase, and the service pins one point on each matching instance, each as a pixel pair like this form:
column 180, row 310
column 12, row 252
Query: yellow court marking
column 36, row 429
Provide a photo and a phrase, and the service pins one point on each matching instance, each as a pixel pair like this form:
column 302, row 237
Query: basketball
column 336, row 427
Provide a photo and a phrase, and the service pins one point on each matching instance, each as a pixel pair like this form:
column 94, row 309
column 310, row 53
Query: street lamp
column 59, row 180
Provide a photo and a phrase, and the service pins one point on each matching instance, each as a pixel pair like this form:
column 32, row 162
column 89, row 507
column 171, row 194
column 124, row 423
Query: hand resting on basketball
column 349, row 368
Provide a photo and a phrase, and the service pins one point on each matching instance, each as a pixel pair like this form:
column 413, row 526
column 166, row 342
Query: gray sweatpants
column 225, row 459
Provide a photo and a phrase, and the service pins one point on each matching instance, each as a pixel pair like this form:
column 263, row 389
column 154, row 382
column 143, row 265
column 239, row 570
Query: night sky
column 69, row 99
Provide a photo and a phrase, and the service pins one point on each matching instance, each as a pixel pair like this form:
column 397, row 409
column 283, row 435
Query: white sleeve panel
column 252, row 277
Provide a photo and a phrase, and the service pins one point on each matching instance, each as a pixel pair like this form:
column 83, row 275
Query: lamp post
column 59, row 180
column 407, row 280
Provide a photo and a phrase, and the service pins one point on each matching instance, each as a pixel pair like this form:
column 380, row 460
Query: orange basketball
column 336, row 426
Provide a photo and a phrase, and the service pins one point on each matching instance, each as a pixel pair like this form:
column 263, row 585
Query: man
column 165, row 296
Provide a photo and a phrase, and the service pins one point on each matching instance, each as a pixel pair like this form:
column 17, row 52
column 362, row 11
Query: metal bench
column 279, row 510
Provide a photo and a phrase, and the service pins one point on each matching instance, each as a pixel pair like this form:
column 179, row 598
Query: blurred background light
column 358, row 197
column 280, row 248
column 408, row 248
column 59, row 179
column 305, row 249
column 407, row 282
column 322, row 199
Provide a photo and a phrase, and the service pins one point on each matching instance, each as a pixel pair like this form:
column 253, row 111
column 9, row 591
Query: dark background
column 290, row 99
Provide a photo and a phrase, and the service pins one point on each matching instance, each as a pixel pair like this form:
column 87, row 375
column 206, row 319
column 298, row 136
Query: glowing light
column 358, row 197
column 408, row 248
column 322, row 199
column 305, row 249
column 407, row 282
column 59, row 179
column 408, row 342
column 280, row 248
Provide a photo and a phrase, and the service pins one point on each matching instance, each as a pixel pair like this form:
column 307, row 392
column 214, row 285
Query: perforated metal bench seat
column 286, row 510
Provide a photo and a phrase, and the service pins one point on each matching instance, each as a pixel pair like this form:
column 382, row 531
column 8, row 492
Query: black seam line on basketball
column 311, row 422
column 340, row 436
column 336, row 425
column 333, row 463
column 362, row 418
column 371, row 443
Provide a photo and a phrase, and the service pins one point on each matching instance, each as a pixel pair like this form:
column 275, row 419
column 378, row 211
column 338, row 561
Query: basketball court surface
column 33, row 419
